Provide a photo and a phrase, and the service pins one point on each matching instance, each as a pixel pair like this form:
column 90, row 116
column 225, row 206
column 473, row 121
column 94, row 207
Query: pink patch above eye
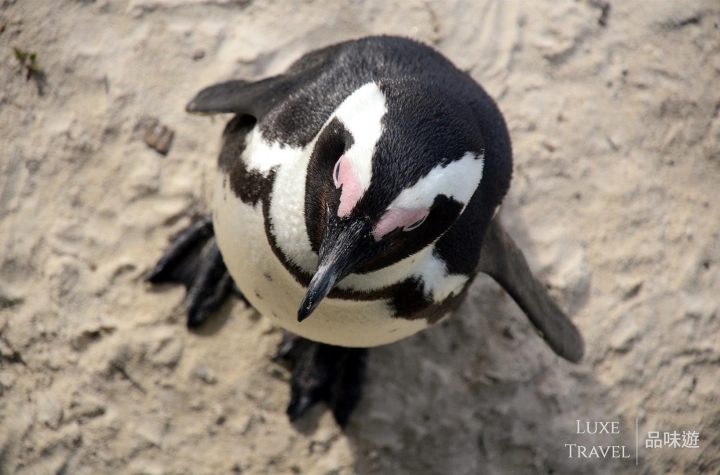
column 398, row 218
column 351, row 192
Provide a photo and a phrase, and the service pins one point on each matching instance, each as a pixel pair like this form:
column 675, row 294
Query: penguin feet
column 194, row 260
column 323, row 373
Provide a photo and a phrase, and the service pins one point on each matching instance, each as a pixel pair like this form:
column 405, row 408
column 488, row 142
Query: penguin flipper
column 241, row 97
column 257, row 98
column 501, row 259
column 194, row 260
column 323, row 372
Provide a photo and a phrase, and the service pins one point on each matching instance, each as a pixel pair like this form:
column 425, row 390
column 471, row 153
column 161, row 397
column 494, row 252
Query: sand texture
column 614, row 112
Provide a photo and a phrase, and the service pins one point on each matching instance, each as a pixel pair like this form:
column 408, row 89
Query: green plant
column 29, row 63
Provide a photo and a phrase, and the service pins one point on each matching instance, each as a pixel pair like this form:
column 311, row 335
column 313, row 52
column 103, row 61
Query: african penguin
column 355, row 202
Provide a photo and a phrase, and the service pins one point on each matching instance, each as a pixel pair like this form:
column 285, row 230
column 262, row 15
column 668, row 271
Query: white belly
column 273, row 291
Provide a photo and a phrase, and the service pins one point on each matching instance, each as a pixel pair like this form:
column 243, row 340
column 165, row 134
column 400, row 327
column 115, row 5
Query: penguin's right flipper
column 257, row 98
column 323, row 373
column 194, row 260
column 504, row 261
column 241, row 97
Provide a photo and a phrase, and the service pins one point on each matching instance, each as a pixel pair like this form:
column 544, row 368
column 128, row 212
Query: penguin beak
column 346, row 245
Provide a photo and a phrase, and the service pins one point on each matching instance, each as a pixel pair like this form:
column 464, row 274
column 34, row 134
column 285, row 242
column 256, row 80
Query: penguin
column 356, row 199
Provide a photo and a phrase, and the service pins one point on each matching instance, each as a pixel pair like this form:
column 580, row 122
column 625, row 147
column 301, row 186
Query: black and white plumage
column 356, row 200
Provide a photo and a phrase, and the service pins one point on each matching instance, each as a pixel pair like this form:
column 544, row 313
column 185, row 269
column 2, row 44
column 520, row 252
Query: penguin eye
column 416, row 224
column 345, row 177
column 336, row 174
column 397, row 219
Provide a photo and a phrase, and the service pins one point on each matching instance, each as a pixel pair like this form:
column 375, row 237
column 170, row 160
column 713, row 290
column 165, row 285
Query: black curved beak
column 346, row 245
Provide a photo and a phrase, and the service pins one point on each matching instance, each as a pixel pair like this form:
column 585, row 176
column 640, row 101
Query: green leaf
column 20, row 54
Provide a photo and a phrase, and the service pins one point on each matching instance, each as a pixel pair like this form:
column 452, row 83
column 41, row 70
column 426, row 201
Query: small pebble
column 206, row 375
column 158, row 136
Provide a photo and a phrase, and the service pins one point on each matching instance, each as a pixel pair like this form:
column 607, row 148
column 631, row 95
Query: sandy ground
column 614, row 111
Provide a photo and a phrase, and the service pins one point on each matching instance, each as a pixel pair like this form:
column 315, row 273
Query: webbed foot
column 194, row 260
column 323, row 373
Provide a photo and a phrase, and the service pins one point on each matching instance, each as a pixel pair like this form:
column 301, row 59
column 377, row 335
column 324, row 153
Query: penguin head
column 390, row 172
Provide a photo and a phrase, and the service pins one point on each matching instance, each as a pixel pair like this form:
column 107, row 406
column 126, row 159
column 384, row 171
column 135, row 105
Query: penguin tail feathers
column 501, row 259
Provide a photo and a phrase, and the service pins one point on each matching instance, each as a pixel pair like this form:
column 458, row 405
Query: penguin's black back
column 319, row 81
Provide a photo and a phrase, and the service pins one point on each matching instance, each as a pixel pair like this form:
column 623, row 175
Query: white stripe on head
column 362, row 114
column 457, row 180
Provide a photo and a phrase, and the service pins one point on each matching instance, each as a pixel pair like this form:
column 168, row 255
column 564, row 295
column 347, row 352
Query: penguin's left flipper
column 194, row 260
column 323, row 373
column 504, row 261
